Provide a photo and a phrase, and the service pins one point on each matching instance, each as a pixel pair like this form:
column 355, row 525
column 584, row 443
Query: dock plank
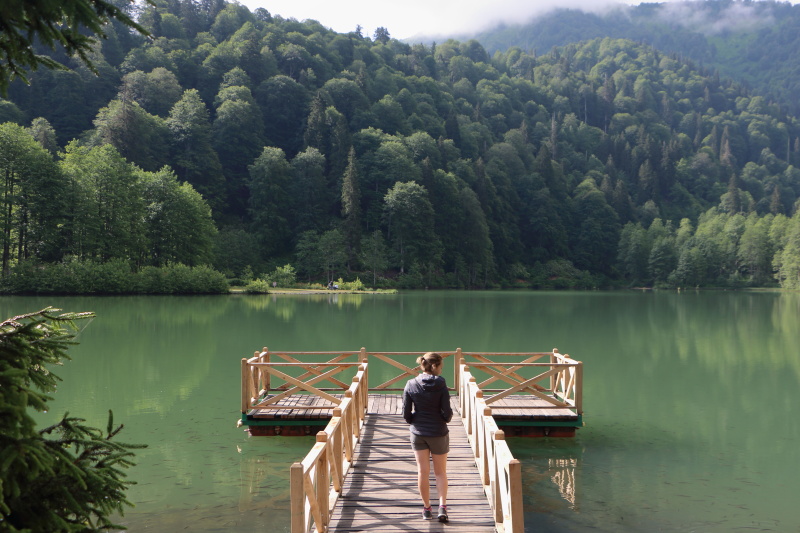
column 380, row 492
column 311, row 407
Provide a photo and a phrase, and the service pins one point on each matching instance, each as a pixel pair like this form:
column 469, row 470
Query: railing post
column 323, row 482
column 362, row 355
column 515, row 493
column 462, row 393
column 266, row 377
column 297, row 500
column 337, row 453
column 553, row 378
column 357, row 423
column 497, row 495
column 472, row 394
column 579, row 388
column 456, row 364
column 365, row 404
column 254, row 375
column 245, row 391
column 487, row 444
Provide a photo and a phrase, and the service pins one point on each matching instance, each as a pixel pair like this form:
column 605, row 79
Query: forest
column 245, row 141
column 754, row 43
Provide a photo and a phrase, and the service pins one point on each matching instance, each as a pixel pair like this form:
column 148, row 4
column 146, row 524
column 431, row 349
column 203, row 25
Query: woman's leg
column 440, row 471
column 423, row 475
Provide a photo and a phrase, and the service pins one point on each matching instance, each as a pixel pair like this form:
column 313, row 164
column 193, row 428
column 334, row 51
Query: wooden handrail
column 258, row 371
column 500, row 472
column 316, row 482
column 560, row 384
column 411, row 371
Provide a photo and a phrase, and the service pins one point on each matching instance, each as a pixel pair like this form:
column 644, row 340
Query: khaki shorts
column 437, row 445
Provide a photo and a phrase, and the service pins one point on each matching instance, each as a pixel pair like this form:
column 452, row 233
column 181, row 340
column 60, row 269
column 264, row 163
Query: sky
column 407, row 19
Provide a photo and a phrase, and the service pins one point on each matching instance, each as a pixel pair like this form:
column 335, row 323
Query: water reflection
column 264, row 481
column 563, row 475
column 284, row 306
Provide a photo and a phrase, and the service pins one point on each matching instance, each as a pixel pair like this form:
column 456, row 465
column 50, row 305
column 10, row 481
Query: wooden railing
column 500, row 472
column 409, row 367
column 260, row 392
column 258, row 373
column 559, row 383
column 316, row 482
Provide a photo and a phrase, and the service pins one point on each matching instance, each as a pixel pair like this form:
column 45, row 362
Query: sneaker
column 427, row 513
column 443, row 513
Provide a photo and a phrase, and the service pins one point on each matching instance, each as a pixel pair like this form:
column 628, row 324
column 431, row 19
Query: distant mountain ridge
column 755, row 43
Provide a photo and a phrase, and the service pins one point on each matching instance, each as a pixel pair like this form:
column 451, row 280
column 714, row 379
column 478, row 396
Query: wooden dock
column 360, row 475
column 380, row 492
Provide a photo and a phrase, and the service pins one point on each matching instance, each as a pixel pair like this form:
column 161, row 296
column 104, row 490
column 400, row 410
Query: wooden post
column 515, row 493
column 297, row 500
column 347, row 434
column 268, row 378
column 323, row 482
column 337, row 452
column 497, row 497
column 254, row 373
column 362, row 355
column 462, row 386
column 456, row 364
column 471, row 407
column 486, row 439
column 245, row 392
column 365, row 404
column 579, row 388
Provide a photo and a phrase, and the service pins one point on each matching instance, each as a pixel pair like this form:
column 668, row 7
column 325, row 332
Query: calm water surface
column 690, row 399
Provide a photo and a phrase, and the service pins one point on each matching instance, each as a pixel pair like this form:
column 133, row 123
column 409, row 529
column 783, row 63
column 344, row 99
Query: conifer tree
column 351, row 207
column 68, row 476
column 50, row 23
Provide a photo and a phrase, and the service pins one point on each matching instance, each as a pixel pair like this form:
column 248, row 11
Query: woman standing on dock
column 426, row 406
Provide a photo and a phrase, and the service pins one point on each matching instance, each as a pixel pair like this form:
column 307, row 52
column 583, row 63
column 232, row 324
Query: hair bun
column 428, row 361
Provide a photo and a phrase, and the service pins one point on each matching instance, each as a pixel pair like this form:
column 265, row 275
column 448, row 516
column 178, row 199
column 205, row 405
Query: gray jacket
column 430, row 399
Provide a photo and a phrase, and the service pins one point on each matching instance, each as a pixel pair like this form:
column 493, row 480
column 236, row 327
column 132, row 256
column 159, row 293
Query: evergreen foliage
column 66, row 477
column 477, row 169
column 32, row 22
column 75, row 276
column 755, row 43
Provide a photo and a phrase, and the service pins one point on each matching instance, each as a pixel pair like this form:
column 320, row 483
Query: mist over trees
column 249, row 141
column 754, row 43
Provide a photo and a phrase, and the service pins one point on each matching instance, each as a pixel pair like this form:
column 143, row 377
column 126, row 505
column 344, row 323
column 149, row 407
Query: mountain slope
column 755, row 43
column 451, row 166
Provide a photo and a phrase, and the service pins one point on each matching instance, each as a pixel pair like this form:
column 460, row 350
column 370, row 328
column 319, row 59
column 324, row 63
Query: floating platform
column 305, row 414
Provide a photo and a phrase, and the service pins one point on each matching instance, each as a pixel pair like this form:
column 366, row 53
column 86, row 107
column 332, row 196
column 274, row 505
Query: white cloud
column 417, row 17
column 410, row 18
column 733, row 17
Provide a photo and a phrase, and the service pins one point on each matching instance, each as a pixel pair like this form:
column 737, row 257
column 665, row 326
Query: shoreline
column 314, row 291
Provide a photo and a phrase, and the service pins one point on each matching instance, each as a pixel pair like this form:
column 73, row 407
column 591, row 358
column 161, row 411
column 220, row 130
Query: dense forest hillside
column 755, row 43
column 416, row 165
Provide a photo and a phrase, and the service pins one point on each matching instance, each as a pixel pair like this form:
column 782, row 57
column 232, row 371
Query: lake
column 690, row 399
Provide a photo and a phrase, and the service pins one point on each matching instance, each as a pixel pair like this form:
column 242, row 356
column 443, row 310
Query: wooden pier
column 361, row 475
column 380, row 492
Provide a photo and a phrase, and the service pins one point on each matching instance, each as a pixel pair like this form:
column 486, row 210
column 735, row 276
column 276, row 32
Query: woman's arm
column 447, row 410
column 407, row 406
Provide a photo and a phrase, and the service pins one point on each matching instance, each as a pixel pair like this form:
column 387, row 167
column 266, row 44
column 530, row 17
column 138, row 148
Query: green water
column 690, row 399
